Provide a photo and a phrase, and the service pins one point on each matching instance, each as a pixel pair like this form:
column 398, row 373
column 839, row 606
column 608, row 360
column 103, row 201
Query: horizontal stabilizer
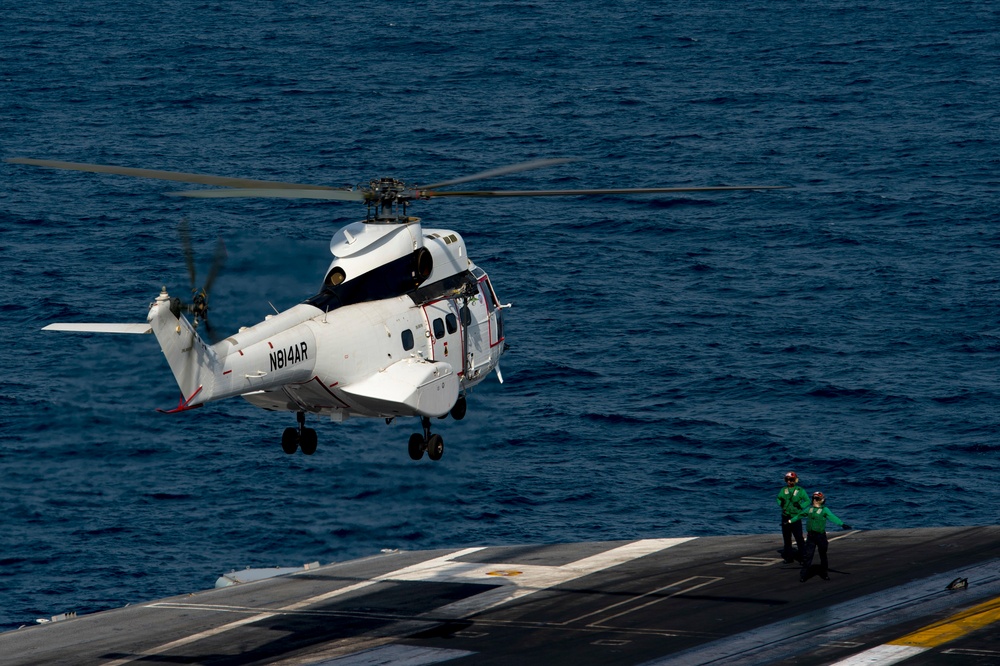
column 100, row 328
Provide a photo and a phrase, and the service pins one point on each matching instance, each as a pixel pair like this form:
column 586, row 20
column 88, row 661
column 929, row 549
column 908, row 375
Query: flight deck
column 913, row 596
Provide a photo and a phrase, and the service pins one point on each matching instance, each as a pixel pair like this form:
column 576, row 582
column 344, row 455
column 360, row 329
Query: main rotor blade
column 185, row 234
column 624, row 190
column 500, row 171
column 271, row 193
column 179, row 176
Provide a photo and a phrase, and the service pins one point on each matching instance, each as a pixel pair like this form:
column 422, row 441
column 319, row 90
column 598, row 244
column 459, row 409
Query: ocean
column 671, row 356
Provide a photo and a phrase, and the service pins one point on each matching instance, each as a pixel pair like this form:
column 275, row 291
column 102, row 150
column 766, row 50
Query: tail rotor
column 198, row 307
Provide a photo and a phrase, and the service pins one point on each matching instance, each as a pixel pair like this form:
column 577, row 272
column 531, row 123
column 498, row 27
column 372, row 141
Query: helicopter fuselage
column 411, row 354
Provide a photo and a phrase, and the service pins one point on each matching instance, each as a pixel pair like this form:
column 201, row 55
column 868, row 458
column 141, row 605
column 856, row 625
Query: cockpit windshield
column 394, row 278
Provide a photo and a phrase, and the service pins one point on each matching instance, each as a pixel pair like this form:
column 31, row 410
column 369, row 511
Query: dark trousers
column 815, row 541
column 787, row 532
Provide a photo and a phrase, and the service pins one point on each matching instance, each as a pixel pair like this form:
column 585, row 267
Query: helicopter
column 404, row 324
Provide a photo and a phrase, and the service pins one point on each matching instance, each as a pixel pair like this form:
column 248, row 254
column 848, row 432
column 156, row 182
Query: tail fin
column 192, row 361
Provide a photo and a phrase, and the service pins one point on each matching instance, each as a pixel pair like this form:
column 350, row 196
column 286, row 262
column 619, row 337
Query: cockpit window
column 487, row 296
column 394, row 278
column 407, row 337
column 451, row 321
column 438, row 328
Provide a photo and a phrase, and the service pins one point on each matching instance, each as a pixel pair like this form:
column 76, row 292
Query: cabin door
column 445, row 333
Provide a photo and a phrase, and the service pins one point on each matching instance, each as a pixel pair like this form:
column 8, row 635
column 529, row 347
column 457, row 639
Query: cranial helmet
column 819, row 496
column 791, row 476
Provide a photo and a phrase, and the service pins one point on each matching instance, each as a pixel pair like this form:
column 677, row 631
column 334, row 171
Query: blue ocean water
column 671, row 356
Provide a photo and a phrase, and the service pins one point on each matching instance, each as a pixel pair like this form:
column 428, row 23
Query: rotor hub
column 387, row 199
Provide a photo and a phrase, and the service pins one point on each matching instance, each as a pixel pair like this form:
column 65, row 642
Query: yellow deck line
column 954, row 627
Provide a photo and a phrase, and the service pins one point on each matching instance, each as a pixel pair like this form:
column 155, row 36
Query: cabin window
column 407, row 338
column 438, row 328
column 451, row 321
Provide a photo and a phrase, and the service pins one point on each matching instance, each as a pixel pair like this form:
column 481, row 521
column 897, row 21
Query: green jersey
column 792, row 500
column 816, row 517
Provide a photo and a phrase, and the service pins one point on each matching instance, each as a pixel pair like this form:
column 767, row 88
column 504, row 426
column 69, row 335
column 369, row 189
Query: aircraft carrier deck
column 715, row 600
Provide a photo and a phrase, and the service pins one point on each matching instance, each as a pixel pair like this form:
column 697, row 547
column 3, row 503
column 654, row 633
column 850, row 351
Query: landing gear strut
column 433, row 444
column 304, row 437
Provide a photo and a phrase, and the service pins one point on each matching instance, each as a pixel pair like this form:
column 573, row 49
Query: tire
column 416, row 446
column 458, row 411
column 290, row 440
column 309, row 441
column 435, row 447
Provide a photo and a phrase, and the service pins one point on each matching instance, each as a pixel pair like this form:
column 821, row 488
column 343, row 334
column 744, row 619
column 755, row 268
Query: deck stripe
column 882, row 655
column 396, row 655
column 954, row 627
column 931, row 636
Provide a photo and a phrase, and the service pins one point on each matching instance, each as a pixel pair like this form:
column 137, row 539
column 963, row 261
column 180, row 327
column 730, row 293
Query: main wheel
column 308, row 442
column 458, row 411
column 416, row 446
column 435, row 447
column 289, row 440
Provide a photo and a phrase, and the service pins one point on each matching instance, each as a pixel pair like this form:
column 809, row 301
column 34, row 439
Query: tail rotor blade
column 218, row 261
column 210, row 330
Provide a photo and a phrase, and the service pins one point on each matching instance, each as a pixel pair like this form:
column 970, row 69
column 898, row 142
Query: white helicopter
column 404, row 324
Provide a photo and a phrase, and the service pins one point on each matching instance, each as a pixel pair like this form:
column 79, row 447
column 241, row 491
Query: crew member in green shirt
column 792, row 499
column 816, row 517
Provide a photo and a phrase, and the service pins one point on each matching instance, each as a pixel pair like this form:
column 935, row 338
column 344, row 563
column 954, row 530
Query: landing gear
column 433, row 444
column 293, row 438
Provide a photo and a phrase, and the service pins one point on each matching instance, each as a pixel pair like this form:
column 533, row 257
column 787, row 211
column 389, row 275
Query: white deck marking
column 533, row 578
column 882, row 655
column 396, row 655
column 972, row 652
column 705, row 580
column 748, row 561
